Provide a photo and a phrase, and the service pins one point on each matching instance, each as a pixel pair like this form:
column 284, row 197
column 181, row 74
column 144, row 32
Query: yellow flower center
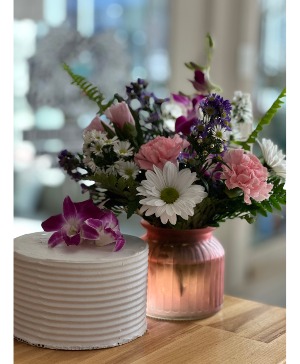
column 169, row 195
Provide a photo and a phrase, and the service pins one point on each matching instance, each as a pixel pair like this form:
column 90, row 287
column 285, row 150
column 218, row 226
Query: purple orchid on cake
column 83, row 221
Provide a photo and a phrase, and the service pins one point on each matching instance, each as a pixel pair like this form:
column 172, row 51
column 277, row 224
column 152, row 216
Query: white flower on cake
column 273, row 157
column 170, row 193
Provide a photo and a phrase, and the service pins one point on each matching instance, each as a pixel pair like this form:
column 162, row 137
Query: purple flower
column 69, row 225
column 185, row 122
column 69, row 163
column 199, row 81
column 106, row 230
column 214, row 106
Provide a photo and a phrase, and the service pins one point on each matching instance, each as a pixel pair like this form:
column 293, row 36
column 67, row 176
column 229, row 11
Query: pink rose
column 95, row 124
column 247, row 173
column 120, row 115
column 159, row 151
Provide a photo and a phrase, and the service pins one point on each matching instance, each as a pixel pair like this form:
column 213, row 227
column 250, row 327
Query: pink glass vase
column 185, row 274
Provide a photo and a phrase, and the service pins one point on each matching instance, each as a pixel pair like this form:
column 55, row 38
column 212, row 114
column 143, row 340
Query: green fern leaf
column 91, row 91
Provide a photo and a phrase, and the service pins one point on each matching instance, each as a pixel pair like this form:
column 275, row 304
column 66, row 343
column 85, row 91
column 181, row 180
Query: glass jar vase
column 185, row 273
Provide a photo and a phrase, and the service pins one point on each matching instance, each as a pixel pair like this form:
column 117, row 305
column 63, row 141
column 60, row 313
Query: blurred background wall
column 113, row 42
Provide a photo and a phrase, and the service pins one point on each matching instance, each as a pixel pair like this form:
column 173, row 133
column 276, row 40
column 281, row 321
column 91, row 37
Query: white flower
column 89, row 162
column 123, row 149
column 111, row 141
column 241, row 116
column 171, row 110
column 220, row 133
column 170, row 192
column 96, row 148
column 98, row 137
column 242, row 107
column 111, row 170
column 93, row 136
column 273, row 157
column 127, row 169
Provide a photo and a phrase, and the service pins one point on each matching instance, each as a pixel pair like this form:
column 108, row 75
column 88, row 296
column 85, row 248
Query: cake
column 79, row 297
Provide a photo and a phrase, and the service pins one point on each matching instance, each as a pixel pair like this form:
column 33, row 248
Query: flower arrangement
column 183, row 162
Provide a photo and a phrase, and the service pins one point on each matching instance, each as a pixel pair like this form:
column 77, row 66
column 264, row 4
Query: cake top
column 35, row 246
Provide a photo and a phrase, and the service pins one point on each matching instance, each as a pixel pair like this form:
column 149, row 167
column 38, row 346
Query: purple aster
column 69, row 163
column 69, row 225
column 214, row 106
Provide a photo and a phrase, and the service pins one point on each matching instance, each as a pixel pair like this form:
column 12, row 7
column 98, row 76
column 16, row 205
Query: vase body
column 185, row 273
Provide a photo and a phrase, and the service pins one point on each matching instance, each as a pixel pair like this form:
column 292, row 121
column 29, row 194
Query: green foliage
column 91, row 91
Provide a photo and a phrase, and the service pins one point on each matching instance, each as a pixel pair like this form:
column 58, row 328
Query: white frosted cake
column 79, row 297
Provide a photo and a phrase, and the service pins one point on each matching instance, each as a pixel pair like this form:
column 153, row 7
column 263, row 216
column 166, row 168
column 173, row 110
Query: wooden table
column 242, row 332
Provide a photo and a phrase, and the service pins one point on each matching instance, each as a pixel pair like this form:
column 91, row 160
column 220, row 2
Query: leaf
column 275, row 203
column 265, row 120
column 132, row 207
column 108, row 130
column 91, row 91
column 262, row 211
column 268, row 206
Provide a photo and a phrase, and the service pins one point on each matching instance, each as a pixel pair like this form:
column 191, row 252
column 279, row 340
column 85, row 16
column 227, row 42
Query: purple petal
column 53, row 223
column 55, row 239
column 94, row 223
column 89, row 232
column 182, row 99
column 109, row 220
column 87, row 209
column 69, row 208
column 199, row 77
column 72, row 240
column 183, row 125
column 120, row 242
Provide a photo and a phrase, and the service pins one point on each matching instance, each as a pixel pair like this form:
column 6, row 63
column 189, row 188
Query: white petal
column 170, row 173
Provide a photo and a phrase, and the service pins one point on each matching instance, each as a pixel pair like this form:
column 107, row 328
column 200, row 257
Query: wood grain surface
column 242, row 332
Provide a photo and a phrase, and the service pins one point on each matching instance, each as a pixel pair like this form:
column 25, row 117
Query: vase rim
column 207, row 229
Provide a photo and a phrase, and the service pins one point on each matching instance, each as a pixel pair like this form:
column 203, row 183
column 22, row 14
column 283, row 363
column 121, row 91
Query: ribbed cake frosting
column 79, row 297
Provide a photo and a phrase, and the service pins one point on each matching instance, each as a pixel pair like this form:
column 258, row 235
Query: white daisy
column 94, row 135
column 96, row 148
column 123, row 149
column 127, row 169
column 220, row 133
column 170, row 192
column 111, row 141
column 111, row 170
column 273, row 157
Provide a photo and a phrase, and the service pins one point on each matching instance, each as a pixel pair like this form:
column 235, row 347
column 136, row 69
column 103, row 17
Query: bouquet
column 183, row 162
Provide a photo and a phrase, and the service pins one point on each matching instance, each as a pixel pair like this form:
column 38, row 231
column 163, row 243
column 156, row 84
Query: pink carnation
column 159, row 151
column 247, row 173
column 119, row 114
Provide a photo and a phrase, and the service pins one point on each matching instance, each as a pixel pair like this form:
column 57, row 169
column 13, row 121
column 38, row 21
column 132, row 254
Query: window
column 109, row 42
